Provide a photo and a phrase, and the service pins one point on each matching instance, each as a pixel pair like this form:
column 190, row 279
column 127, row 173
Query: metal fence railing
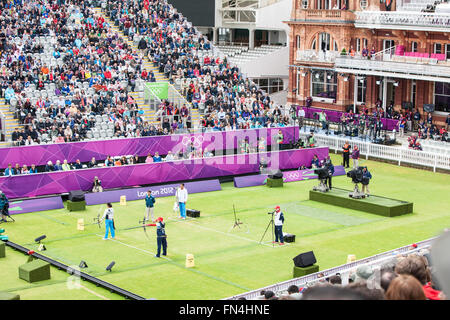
column 397, row 154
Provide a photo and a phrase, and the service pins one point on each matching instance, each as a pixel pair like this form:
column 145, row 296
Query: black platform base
column 372, row 204
column 76, row 206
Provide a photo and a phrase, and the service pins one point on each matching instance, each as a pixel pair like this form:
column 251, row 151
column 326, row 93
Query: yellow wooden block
column 123, row 200
column 80, row 224
column 190, row 260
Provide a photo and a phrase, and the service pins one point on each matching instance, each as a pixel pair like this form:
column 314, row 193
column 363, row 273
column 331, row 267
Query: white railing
column 343, row 270
column 402, row 19
column 317, row 56
column 432, row 146
column 414, row 69
column 397, row 154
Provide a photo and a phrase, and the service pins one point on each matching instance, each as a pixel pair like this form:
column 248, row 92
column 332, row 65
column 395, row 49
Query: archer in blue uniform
column 161, row 237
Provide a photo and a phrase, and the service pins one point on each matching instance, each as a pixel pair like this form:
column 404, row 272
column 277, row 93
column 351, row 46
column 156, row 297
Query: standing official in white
column 182, row 195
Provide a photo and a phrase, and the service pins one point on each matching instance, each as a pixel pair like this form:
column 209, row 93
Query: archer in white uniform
column 108, row 216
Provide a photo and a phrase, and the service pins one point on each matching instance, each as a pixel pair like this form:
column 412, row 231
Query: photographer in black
column 379, row 127
column 365, row 181
column 330, row 167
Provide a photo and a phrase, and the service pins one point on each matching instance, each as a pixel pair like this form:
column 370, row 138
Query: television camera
column 357, row 177
column 322, row 174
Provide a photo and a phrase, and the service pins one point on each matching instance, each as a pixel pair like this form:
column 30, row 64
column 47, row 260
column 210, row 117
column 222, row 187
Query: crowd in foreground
column 404, row 277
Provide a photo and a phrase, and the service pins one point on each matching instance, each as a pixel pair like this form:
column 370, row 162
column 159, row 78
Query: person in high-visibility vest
column 346, row 154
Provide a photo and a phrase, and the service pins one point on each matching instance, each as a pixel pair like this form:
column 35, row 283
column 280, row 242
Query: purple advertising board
column 33, row 205
column 288, row 176
column 157, row 191
column 335, row 116
column 100, row 149
column 155, row 173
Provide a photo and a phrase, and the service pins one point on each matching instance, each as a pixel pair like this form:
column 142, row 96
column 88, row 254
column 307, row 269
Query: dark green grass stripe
column 50, row 218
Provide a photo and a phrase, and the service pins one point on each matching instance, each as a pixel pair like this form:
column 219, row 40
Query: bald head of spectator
column 386, row 279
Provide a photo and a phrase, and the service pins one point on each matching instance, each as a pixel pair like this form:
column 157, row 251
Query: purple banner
column 157, row 191
column 335, row 116
column 288, row 176
column 154, row 173
column 34, row 205
column 41, row 154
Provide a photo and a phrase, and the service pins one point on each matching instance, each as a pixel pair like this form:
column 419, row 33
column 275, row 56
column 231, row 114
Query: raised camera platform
column 373, row 204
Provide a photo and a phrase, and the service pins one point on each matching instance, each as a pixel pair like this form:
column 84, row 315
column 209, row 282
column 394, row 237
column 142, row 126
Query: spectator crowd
column 402, row 277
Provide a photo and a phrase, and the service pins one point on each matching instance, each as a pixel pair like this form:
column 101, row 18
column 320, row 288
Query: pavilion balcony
column 394, row 62
column 403, row 20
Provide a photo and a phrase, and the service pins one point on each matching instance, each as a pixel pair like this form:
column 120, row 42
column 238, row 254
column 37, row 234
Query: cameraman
column 97, row 185
column 330, row 167
column 278, row 219
column 366, row 175
column 4, row 207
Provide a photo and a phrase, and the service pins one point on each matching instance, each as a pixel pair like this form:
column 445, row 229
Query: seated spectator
column 59, row 139
column 169, row 156
column 17, row 169
column 66, row 166
column 149, row 159
column 77, row 165
column 58, row 166
column 386, row 279
column 123, row 161
column 294, row 292
column 136, row 159
column 156, row 157
column 29, row 141
column 97, row 185
column 315, row 162
column 405, row 287
column 33, row 169
column 109, row 162
column 92, row 163
column 24, row 169
column 49, row 167
column 336, row 279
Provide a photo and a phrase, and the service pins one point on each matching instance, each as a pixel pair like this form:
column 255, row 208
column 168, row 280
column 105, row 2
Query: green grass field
column 226, row 262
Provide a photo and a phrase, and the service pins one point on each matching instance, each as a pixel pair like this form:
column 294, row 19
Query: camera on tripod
column 357, row 177
column 323, row 174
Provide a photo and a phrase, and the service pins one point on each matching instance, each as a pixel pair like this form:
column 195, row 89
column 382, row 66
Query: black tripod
column 237, row 222
column 6, row 215
column 271, row 223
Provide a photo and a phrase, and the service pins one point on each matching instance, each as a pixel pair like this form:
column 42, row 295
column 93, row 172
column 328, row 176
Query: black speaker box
column 305, row 259
column 276, row 175
column 287, row 237
column 76, row 196
column 193, row 213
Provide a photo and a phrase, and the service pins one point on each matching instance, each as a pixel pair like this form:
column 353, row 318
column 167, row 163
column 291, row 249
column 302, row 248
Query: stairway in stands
column 10, row 123
column 147, row 65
